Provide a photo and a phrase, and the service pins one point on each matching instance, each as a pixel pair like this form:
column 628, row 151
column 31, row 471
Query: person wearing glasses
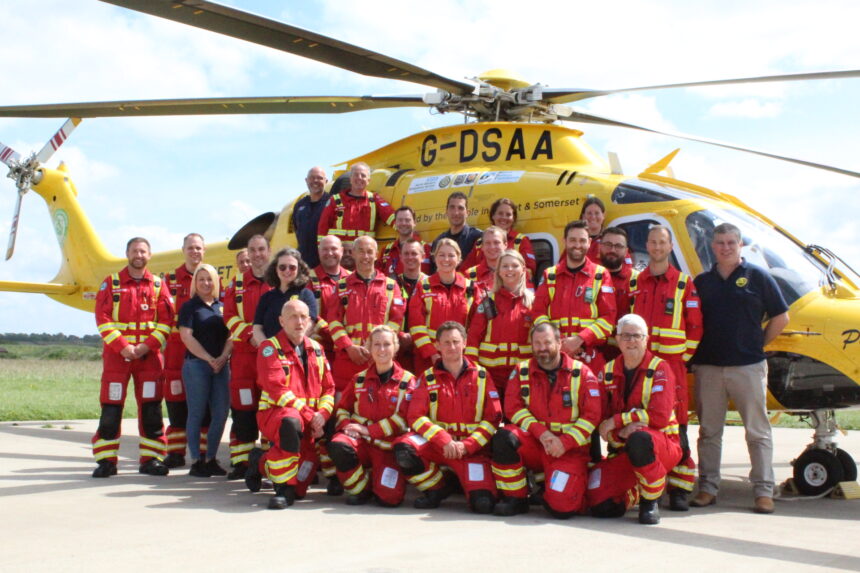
column 613, row 257
column 640, row 427
column 289, row 277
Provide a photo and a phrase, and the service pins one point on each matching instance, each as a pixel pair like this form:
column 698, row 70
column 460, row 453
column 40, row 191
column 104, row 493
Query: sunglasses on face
column 283, row 268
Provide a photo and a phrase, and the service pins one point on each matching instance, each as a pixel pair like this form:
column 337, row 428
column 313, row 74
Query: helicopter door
column 637, row 228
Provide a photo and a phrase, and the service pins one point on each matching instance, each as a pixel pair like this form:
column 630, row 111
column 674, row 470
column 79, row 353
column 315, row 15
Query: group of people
column 441, row 365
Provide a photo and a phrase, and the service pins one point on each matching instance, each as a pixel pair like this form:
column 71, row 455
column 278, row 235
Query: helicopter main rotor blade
column 9, row 156
column 213, row 106
column 565, row 95
column 583, row 117
column 13, row 233
column 290, row 39
column 55, row 142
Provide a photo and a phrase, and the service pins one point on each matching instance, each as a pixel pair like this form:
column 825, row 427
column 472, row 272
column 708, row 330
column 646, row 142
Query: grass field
column 61, row 382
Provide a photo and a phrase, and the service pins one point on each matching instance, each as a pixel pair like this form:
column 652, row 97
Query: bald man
column 306, row 215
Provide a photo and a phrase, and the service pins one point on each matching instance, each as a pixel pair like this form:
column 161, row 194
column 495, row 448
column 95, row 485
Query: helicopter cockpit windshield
column 795, row 271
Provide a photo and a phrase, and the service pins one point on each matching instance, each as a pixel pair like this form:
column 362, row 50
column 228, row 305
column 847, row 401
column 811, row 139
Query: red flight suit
column 240, row 303
column 621, row 283
column 570, row 408
column 580, row 303
column 649, row 400
column 433, row 303
column 381, row 407
column 445, row 408
column 670, row 306
column 129, row 312
column 389, row 261
column 290, row 391
column 362, row 306
column 406, row 354
column 481, row 274
column 348, row 217
column 498, row 336
column 325, row 291
column 516, row 241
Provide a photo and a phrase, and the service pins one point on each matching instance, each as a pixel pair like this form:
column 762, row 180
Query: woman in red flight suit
column 503, row 214
column 445, row 295
column 370, row 415
column 499, row 329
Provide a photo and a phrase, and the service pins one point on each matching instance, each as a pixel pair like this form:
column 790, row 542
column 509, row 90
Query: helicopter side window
column 637, row 237
column 794, row 271
column 640, row 192
column 543, row 255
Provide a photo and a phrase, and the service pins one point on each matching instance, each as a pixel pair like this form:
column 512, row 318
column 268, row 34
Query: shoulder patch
column 103, row 286
column 268, row 351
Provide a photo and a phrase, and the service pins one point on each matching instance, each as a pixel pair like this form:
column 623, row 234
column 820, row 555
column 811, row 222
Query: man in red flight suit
column 411, row 257
column 133, row 314
column 640, row 427
column 578, row 296
column 666, row 298
column 554, row 403
column 613, row 257
column 297, row 399
column 494, row 242
column 324, row 279
column 370, row 415
column 355, row 211
column 390, row 262
column 179, row 285
column 240, row 303
column 367, row 298
column 453, row 414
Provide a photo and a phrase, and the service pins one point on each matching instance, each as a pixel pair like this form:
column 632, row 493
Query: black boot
column 253, row 477
column 334, row 487
column 536, row 498
column 431, row 499
column 649, row 513
column 106, row 468
column 174, row 460
column 678, row 500
column 359, row 498
column 154, row 467
column 508, row 506
column 285, row 496
column 215, row 468
column 237, row 471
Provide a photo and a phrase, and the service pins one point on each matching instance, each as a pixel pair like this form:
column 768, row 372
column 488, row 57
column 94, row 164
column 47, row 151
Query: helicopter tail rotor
column 27, row 173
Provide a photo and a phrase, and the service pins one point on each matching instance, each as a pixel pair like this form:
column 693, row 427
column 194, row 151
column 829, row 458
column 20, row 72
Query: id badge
column 670, row 306
column 589, row 295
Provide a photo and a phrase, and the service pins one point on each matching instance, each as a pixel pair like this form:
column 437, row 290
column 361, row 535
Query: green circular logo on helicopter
column 61, row 224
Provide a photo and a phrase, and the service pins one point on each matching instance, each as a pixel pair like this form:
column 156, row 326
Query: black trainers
column 253, row 477
column 285, row 496
column 154, row 467
column 199, row 469
column 106, row 468
column 508, row 506
column 334, row 487
column 678, row 500
column 359, row 498
column 214, row 468
column 649, row 513
column 237, row 471
column 174, row 460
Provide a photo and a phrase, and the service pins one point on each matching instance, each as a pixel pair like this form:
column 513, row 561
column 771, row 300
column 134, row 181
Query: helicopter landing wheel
column 816, row 471
column 849, row 468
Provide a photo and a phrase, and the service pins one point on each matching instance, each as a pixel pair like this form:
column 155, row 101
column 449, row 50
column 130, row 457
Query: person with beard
column 133, row 314
column 577, row 295
column 411, row 257
column 457, row 211
column 391, row 260
column 613, row 256
column 554, row 404
column 666, row 298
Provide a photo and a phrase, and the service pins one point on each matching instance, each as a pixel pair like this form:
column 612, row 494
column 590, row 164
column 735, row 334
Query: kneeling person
column 640, row 427
column 370, row 415
column 554, row 403
column 454, row 413
column 296, row 400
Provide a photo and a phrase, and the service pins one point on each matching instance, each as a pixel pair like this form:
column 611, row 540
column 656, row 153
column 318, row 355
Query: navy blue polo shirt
column 272, row 303
column 733, row 310
column 206, row 323
column 306, row 218
column 465, row 239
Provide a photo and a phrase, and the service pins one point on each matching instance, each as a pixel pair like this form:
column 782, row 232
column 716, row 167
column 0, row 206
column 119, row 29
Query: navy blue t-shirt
column 271, row 303
column 206, row 323
column 733, row 310
column 465, row 239
column 306, row 218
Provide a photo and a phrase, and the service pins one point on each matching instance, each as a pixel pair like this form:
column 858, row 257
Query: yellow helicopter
column 512, row 145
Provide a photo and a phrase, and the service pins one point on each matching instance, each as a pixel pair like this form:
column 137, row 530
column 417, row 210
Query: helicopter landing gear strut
column 822, row 465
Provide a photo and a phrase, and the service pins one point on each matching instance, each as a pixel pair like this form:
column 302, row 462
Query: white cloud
column 746, row 108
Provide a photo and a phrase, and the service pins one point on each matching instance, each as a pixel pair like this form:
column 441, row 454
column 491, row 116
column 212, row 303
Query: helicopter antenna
column 26, row 173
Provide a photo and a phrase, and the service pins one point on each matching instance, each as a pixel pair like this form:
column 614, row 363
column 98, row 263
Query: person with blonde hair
column 206, row 370
column 499, row 330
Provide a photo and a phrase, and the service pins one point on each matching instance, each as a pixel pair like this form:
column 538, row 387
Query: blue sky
column 164, row 177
